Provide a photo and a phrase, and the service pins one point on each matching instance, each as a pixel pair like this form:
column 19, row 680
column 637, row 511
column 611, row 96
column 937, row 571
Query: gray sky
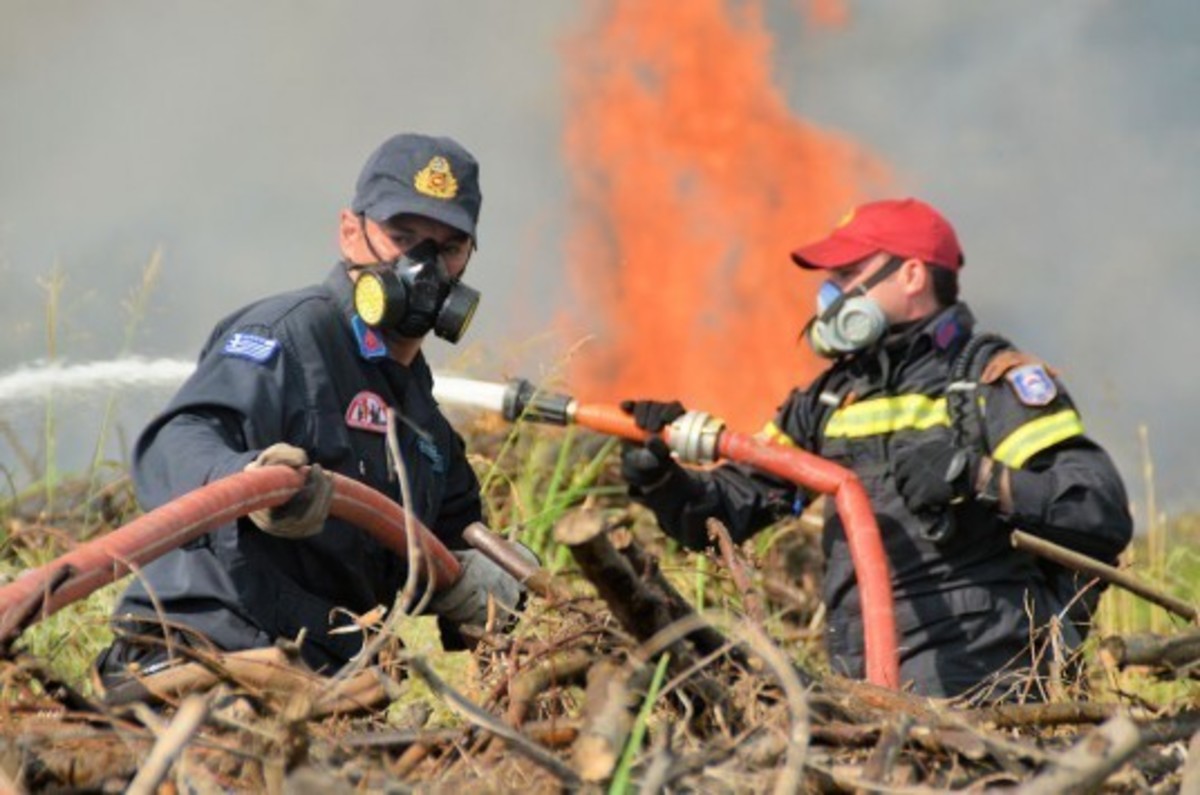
column 1062, row 139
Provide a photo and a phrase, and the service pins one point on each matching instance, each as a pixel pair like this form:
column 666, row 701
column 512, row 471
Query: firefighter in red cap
column 957, row 437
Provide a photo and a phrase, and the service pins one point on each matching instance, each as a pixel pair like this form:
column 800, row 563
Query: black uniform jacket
column 960, row 605
column 297, row 368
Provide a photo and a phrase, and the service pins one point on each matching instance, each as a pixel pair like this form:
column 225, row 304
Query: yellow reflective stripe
column 772, row 433
column 887, row 415
column 1037, row 435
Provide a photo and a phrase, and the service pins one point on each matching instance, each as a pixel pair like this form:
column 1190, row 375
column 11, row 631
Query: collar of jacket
column 339, row 285
column 946, row 331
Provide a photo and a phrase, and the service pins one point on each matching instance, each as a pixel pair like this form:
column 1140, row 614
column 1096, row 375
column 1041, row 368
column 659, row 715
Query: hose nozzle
column 522, row 400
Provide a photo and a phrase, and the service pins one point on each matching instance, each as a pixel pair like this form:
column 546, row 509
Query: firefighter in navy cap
column 950, row 471
column 305, row 379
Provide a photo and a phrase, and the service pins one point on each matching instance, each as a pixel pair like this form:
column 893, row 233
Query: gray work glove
column 305, row 513
column 466, row 601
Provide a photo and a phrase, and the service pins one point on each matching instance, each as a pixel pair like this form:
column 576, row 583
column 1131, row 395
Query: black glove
column 653, row 415
column 648, row 465
column 933, row 473
column 305, row 513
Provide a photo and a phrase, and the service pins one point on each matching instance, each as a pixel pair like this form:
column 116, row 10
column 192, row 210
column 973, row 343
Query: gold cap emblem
column 847, row 218
column 436, row 179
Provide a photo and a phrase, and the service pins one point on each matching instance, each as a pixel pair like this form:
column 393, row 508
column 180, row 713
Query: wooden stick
column 562, row 668
column 750, row 599
column 1085, row 765
column 641, row 604
column 608, row 713
column 1013, row 716
column 791, row 776
column 188, row 719
column 887, row 750
column 484, row 720
column 501, row 551
column 1189, row 780
column 703, row 636
column 1074, row 560
column 1144, row 648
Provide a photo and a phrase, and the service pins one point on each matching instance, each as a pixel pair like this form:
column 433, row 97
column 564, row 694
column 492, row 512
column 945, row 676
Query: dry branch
column 1013, row 716
column 1170, row 654
column 790, row 777
column 608, row 715
column 1085, row 765
column 484, row 720
column 887, row 750
column 1189, row 779
column 501, row 551
column 641, row 600
column 750, row 599
column 562, row 668
column 188, row 719
column 1093, row 567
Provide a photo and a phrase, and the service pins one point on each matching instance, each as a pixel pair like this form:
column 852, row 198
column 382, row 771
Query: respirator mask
column 848, row 321
column 414, row 295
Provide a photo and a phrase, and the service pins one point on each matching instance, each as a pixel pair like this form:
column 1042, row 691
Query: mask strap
column 890, row 267
column 362, row 224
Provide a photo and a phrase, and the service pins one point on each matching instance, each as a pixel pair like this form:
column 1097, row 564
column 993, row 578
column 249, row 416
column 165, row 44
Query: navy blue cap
column 423, row 175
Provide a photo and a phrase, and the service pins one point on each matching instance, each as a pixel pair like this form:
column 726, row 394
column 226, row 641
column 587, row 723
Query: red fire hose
column 39, row 592
column 815, row 473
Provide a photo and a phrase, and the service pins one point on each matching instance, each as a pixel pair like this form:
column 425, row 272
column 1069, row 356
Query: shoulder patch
column 250, row 346
column 1033, row 385
column 1004, row 361
column 367, row 412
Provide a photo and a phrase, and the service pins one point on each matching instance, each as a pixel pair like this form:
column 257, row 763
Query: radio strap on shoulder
column 962, row 393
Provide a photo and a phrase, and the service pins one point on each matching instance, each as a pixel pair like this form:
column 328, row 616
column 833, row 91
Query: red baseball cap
column 902, row 227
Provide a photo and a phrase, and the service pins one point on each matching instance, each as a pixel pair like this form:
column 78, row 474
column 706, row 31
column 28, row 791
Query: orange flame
column 692, row 181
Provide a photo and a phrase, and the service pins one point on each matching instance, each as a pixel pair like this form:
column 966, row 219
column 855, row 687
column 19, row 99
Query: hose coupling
column 693, row 437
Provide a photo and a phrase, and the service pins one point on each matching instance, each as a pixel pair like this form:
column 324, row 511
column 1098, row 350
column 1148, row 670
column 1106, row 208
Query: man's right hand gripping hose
column 646, row 467
column 305, row 513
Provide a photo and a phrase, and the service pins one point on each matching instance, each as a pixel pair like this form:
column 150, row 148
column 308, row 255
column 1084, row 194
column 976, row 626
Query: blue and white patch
column 251, row 346
column 430, row 451
column 1033, row 385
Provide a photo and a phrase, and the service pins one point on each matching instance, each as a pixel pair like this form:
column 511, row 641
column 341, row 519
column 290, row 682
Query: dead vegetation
column 614, row 682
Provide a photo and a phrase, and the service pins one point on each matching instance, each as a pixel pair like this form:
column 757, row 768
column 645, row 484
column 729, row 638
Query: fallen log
column 1170, row 655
